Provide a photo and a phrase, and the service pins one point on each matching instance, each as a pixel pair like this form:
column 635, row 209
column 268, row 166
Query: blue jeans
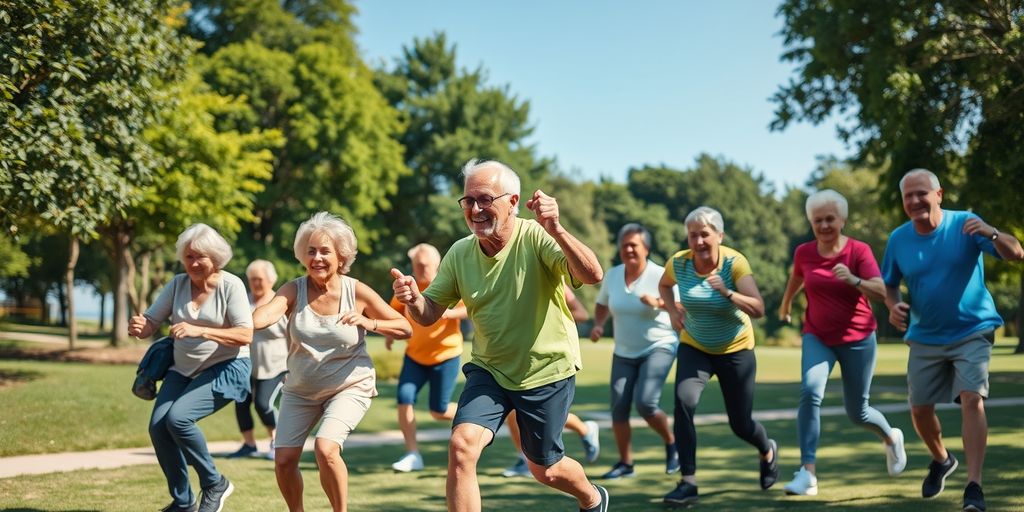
column 177, row 440
column 857, row 360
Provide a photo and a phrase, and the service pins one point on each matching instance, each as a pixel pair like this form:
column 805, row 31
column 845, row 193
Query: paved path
column 106, row 459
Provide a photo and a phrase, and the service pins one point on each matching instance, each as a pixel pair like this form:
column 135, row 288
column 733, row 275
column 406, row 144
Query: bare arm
column 376, row 315
column 579, row 313
column 227, row 336
column 423, row 310
column 899, row 311
column 748, row 297
column 676, row 315
column 457, row 313
column 1005, row 244
column 583, row 264
column 793, row 287
column 600, row 316
column 269, row 313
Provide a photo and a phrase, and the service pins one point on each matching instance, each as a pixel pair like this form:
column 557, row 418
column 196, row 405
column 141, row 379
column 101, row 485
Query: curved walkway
column 106, row 459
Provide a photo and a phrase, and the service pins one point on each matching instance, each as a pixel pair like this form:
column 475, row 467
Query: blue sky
column 614, row 85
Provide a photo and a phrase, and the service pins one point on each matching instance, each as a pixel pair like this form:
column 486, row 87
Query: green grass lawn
column 50, row 407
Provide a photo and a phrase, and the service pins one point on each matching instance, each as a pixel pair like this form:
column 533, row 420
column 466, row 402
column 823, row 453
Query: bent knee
column 971, row 400
column 647, row 410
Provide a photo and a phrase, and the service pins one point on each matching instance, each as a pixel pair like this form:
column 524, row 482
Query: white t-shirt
column 639, row 328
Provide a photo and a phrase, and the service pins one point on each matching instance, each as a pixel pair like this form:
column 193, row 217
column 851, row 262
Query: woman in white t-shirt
column 645, row 346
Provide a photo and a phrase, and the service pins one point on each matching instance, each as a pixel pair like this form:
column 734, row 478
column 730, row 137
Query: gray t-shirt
column 639, row 328
column 227, row 306
column 269, row 349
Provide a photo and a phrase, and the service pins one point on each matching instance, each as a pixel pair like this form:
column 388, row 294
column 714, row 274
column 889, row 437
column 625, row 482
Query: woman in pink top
column 838, row 275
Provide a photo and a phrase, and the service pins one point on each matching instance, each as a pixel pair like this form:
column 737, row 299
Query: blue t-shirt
column 946, row 279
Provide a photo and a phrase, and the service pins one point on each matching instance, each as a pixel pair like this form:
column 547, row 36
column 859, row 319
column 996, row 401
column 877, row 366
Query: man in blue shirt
column 950, row 324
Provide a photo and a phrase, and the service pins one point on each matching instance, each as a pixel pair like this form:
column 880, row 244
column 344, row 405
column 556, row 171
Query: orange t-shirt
column 434, row 344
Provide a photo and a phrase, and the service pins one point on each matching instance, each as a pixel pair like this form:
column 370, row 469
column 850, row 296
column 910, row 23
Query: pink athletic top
column 837, row 313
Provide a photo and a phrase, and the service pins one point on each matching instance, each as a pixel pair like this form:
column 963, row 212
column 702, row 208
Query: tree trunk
column 69, row 283
column 123, row 275
column 62, row 304
column 145, row 261
column 1020, row 318
column 103, row 310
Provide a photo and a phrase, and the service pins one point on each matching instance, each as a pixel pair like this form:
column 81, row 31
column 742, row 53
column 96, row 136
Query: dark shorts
column 441, row 377
column 540, row 412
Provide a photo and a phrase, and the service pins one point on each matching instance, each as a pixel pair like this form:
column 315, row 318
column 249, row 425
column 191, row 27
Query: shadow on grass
column 13, row 377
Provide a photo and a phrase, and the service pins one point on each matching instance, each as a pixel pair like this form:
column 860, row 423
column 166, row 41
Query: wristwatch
column 995, row 234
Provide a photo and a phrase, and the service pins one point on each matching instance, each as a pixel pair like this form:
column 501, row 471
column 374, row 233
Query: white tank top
column 324, row 356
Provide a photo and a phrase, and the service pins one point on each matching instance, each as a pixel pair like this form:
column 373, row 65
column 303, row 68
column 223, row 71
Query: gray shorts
column 340, row 414
column 936, row 374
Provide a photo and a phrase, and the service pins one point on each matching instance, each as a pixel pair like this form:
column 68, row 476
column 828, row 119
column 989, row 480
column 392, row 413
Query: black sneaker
column 245, row 451
column 173, row 507
column 671, row 459
column 215, row 495
column 601, row 506
column 619, row 470
column 684, row 494
column 770, row 470
column 974, row 499
column 935, row 482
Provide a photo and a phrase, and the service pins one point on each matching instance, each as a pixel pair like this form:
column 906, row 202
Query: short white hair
column 427, row 248
column 266, row 266
column 507, row 178
column 707, row 216
column 340, row 233
column 933, row 180
column 206, row 241
column 827, row 197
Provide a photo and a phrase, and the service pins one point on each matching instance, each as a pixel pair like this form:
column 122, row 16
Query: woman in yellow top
column 718, row 296
column 432, row 355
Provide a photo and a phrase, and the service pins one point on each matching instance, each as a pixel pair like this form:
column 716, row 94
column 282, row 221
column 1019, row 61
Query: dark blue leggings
column 264, row 391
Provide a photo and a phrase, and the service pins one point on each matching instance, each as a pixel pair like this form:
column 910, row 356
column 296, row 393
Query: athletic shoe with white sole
column 411, row 461
column 804, row 484
column 895, row 453
column 591, row 442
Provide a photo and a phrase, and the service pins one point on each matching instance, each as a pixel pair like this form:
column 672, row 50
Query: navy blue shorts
column 441, row 377
column 540, row 412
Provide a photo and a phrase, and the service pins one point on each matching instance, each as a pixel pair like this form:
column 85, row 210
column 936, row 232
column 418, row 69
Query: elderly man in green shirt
column 509, row 273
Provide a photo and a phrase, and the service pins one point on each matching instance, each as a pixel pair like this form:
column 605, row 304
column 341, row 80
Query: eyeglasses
column 467, row 202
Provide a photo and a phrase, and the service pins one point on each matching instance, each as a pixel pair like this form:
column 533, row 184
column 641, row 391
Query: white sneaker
column 520, row 468
column 592, row 441
column 803, row 484
column 411, row 461
column 270, row 453
column 895, row 453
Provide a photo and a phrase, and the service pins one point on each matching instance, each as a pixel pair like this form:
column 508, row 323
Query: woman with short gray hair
column 330, row 374
column 212, row 328
column 269, row 353
column 645, row 346
column 719, row 297
column 839, row 275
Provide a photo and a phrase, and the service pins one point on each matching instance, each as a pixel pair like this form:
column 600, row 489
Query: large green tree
column 297, row 69
column 451, row 115
column 918, row 83
column 78, row 83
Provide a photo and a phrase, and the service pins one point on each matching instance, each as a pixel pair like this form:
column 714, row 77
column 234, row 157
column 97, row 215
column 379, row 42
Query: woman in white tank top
column 330, row 374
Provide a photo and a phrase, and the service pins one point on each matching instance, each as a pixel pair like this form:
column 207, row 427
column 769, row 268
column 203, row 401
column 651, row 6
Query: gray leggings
column 639, row 380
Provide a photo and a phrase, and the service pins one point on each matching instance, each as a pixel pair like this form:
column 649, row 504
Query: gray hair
column 707, row 216
column 933, row 180
column 205, row 240
column 266, row 266
column 634, row 228
column 507, row 178
column 336, row 229
column 826, row 197
column 427, row 248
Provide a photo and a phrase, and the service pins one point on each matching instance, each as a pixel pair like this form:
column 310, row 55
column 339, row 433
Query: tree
column 451, row 115
column 752, row 214
column 209, row 174
column 938, row 85
column 76, row 89
column 298, row 71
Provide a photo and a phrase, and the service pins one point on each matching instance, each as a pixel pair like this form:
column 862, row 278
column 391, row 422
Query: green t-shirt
column 525, row 336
